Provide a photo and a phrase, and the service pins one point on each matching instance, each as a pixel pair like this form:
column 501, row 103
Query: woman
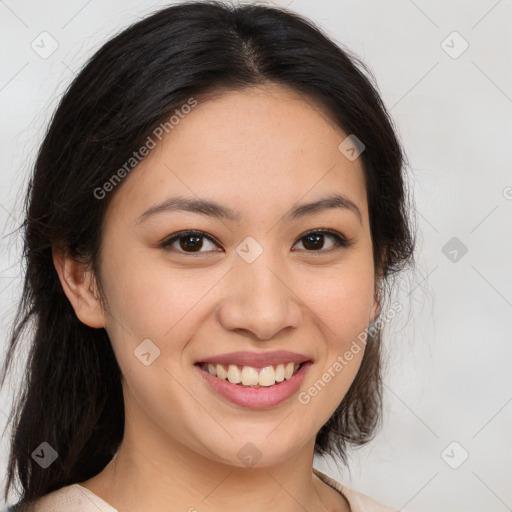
column 213, row 222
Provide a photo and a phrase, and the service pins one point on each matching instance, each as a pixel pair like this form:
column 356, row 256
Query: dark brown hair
column 71, row 396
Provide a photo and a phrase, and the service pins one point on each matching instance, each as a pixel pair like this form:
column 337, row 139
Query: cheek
column 342, row 299
column 149, row 298
column 342, row 303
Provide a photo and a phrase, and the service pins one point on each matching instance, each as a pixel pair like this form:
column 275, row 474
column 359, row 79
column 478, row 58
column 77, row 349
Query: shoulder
column 71, row 498
column 358, row 501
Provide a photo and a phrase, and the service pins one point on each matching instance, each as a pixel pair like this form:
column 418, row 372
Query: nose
column 259, row 299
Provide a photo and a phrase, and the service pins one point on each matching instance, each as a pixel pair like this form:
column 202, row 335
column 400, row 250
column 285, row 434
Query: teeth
column 280, row 373
column 288, row 372
column 234, row 375
column 220, row 372
column 249, row 376
column 267, row 376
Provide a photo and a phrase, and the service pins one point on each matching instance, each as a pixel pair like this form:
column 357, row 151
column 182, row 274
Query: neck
column 156, row 472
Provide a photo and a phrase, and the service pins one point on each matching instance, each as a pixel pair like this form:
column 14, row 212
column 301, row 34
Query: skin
column 259, row 151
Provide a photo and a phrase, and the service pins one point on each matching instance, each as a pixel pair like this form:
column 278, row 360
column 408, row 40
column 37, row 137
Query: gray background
column 449, row 352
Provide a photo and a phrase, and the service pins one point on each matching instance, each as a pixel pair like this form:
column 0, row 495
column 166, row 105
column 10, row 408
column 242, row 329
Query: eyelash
column 340, row 241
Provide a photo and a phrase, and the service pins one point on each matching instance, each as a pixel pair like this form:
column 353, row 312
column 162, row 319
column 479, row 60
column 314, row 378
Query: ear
column 79, row 285
column 377, row 304
column 375, row 309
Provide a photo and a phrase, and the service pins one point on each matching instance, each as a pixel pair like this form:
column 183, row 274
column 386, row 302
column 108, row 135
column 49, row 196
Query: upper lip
column 257, row 359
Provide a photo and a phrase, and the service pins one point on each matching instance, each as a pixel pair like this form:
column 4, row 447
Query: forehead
column 258, row 150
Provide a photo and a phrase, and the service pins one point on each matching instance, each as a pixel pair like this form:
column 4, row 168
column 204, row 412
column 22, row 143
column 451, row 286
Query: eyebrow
column 212, row 209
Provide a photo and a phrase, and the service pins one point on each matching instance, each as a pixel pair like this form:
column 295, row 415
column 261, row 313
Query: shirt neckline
column 337, row 486
column 96, row 498
column 340, row 488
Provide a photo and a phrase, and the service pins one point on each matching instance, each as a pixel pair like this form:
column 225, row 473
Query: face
column 259, row 281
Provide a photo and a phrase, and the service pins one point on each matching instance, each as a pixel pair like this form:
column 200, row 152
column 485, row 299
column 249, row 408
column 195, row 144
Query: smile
column 254, row 396
column 249, row 376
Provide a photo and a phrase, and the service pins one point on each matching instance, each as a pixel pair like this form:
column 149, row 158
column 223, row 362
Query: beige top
column 75, row 498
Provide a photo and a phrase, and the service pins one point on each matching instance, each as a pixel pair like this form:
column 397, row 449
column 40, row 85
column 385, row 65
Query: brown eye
column 188, row 241
column 315, row 240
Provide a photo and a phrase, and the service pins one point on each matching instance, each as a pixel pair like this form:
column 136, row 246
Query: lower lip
column 256, row 398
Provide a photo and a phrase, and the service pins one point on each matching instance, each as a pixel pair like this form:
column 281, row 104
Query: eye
column 189, row 241
column 192, row 241
column 314, row 240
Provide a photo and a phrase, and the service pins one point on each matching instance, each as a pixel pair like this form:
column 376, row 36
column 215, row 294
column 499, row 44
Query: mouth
column 251, row 377
column 254, row 388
